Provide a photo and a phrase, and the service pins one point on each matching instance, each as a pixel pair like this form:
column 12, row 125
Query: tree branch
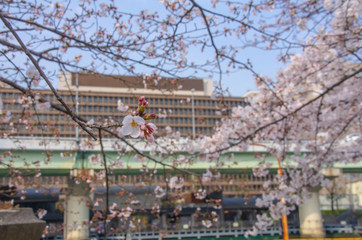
column 41, row 72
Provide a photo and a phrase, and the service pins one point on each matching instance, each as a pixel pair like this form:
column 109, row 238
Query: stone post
column 20, row 223
column 310, row 217
column 76, row 214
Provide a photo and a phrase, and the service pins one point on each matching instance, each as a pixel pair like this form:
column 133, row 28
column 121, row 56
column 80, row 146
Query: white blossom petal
column 135, row 132
column 126, row 130
column 127, row 119
column 139, row 120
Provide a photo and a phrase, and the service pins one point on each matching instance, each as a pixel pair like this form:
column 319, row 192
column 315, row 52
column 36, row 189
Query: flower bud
column 150, row 116
column 140, row 100
column 141, row 110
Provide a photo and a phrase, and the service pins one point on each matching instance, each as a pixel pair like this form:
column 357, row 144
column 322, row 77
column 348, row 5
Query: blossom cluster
column 33, row 75
column 137, row 125
column 308, row 110
column 4, row 117
column 41, row 105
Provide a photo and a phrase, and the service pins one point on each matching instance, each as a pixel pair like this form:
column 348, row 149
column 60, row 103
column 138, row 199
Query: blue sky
column 239, row 82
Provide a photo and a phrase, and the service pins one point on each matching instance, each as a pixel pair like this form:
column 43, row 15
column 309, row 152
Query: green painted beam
column 56, row 165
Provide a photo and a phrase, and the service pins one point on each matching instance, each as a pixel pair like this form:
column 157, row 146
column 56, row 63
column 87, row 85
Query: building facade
column 98, row 96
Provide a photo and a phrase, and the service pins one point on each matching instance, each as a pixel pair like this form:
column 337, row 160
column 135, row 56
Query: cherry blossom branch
column 317, row 123
column 16, row 67
column 328, row 89
column 107, row 181
column 27, row 52
column 341, row 132
column 42, row 55
column 257, row 76
column 32, row 95
column 246, row 24
column 217, row 52
column 137, row 151
column 103, row 49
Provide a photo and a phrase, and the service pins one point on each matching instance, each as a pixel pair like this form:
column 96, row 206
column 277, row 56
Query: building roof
column 98, row 80
column 134, row 84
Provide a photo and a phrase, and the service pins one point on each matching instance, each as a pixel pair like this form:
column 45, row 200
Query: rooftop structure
column 133, row 84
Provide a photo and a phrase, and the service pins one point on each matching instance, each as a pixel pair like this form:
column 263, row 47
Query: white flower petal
column 135, row 132
column 126, row 129
column 150, row 138
column 139, row 120
column 127, row 119
column 153, row 126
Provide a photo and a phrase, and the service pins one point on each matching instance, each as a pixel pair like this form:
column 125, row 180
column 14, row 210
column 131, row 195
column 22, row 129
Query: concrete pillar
column 76, row 214
column 164, row 221
column 193, row 221
column 310, row 217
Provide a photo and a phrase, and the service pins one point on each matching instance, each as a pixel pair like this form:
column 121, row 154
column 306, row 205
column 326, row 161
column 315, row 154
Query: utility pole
column 193, row 114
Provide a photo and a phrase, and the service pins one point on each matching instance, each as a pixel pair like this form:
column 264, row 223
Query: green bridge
column 57, row 164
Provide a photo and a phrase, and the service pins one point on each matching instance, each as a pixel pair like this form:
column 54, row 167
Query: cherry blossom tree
column 310, row 105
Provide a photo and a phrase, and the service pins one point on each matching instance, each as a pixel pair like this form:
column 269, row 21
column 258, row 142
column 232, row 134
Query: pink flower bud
column 141, row 99
column 152, row 115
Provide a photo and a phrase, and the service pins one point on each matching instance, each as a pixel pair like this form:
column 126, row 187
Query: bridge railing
column 218, row 232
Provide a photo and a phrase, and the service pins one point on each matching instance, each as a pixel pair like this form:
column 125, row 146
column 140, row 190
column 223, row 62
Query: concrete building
column 186, row 102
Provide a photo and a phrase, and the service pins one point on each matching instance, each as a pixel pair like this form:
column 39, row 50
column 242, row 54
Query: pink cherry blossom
column 41, row 213
column 131, row 126
column 34, row 75
column 176, row 182
column 159, row 192
column 42, row 107
column 147, row 131
column 200, row 194
column 207, row 223
column 94, row 159
column 126, row 212
column 121, row 107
